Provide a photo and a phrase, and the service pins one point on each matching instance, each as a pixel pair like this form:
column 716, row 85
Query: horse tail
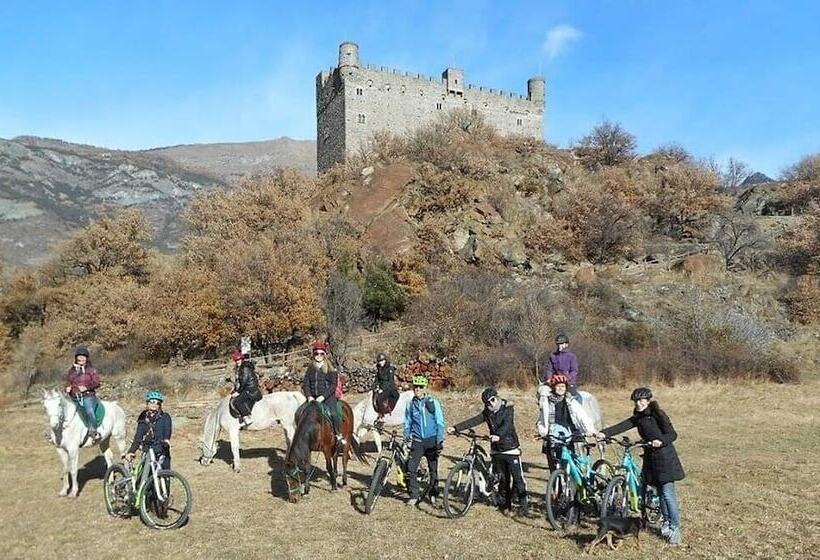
column 210, row 433
column 119, row 426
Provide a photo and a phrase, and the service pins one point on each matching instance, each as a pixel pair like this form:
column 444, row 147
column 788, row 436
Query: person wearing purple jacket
column 563, row 362
column 82, row 381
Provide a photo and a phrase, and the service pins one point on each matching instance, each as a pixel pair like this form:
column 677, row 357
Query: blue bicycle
column 627, row 493
column 576, row 488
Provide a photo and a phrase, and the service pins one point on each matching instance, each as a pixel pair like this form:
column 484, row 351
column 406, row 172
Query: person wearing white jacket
column 560, row 413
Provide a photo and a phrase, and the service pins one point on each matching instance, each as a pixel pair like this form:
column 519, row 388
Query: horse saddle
column 235, row 412
column 99, row 412
column 324, row 408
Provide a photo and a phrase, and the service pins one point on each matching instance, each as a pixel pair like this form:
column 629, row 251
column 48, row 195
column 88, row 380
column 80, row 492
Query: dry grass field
column 752, row 454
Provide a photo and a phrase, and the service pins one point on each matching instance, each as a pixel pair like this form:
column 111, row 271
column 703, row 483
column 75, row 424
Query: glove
column 320, row 398
column 440, row 447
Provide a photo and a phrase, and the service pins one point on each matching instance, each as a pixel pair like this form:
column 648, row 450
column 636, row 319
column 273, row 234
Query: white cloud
column 558, row 38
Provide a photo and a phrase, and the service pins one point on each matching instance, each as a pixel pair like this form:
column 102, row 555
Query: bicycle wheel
column 559, row 500
column 424, row 481
column 459, row 490
column 616, row 498
column 604, row 471
column 170, row 510
column 377, row 484
column 117, row 490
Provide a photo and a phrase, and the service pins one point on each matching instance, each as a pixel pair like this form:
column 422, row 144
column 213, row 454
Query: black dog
column 612, row 528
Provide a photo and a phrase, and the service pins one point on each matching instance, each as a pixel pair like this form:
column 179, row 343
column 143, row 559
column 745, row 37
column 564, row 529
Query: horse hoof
column 72, row 495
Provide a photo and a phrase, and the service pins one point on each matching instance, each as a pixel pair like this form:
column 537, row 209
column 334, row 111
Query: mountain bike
column 627, row 493
column 473, row 472
column 577, row 487
column 393, row 459
column 162, row 497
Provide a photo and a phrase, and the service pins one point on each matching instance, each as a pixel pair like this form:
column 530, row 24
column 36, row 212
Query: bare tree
column 734, row 174
column 607, row 144
column 738, row 238
column 343, row 310
column 535, row 327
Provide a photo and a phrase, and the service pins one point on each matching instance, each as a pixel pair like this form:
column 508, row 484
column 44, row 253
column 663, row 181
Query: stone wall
column 354, row 102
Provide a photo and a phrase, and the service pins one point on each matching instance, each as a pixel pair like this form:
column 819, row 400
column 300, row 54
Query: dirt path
column 752, row 454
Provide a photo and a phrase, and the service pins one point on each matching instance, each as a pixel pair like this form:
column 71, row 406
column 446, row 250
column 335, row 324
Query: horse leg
column 105, row 448
column 289, row 429
column 234, row 433
column 330, row 465
column 74, row 459
column 377, row 439
column 64, row 461
column 345, row 457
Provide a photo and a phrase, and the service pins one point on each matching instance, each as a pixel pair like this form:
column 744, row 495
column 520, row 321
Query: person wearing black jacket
column 385, row 392
column 504, row 447
column 319, row 384
column 153, row 430
column 661, row 464
column 246, row 390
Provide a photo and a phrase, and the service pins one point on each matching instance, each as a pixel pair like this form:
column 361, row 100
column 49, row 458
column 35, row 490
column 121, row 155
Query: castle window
column 518, row 122
column 403, row 89
column 361, row 118
column 438, row 106
column 369, row 83
column 386, row 87
column 358, row 91
column 421, row 92
column 456, row 81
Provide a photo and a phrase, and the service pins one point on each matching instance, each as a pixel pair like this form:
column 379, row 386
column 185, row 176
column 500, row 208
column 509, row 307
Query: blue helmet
column 153, row 394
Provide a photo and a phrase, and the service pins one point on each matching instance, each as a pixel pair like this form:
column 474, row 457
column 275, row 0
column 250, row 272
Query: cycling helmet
column 153, row 394
column 420, row 381
column 487, row 394
column 82, row 351
column 558, row 378
column 641, row 393
column 561, row 338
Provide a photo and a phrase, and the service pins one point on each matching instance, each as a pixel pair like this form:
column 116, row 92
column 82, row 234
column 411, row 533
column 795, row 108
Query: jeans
column 89, row 405
column 669, row 504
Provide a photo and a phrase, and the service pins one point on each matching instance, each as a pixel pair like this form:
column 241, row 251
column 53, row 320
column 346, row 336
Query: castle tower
column 536, row 90
column 348, row 54
column 454, row 81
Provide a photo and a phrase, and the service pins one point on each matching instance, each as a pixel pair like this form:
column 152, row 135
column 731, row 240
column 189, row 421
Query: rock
column 367, row 171
column 459, row 239
column 512, row 253
column 585, row 277
column 631, row 314
column 699, row 267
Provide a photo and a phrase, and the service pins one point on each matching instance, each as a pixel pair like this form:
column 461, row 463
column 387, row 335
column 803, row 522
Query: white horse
column 274, row 408
column 588, row 402
column 68, row 433
column 365, row 416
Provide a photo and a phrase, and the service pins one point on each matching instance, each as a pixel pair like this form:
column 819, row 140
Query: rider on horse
column 564, row 362
column 319, row 384
column 246, row 388
column 562, row 414
column 153, row 430
column 82, row 381
column 385, row 392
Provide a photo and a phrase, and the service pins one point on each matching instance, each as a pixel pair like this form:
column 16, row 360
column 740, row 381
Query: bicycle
column 577, row 486
column 162, row 497
column 393, row 455
column 627, row 493
column 473, row 471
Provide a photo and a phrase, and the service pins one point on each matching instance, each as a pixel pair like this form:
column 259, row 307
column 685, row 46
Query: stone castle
column 353, row 101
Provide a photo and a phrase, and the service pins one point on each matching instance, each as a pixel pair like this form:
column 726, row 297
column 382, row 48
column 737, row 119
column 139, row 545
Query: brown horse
column 314, row 432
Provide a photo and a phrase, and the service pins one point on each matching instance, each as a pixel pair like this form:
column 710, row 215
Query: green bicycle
column 162, row 497
column 627, row 493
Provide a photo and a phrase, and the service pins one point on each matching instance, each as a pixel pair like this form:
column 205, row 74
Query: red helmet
column 558, row 378
column 318, row 345
column 236, row 356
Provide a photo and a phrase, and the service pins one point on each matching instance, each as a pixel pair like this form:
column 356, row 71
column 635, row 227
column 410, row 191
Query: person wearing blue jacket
column 424, row 430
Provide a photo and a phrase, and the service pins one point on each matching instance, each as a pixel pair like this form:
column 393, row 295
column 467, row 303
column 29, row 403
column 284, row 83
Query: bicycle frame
column 635, row 484
column 480, row 464
column 137, row 480
column 579, row 468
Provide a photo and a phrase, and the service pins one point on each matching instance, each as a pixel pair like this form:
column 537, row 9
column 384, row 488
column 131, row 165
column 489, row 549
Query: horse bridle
column 293, row 474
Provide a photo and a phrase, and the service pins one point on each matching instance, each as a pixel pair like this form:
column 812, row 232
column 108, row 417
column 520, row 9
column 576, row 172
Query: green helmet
column 420, row 381
column 153, row 395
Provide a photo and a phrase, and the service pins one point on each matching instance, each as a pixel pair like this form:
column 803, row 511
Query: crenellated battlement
column 355, row 100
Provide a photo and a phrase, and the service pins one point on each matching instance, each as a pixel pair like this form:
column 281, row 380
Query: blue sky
column 721, row 78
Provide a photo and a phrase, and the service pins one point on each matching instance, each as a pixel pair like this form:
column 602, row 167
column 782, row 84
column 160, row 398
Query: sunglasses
column 153, row 401
column 491, row 400
column 319, row 353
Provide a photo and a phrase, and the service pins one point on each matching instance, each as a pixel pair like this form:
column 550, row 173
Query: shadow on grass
column 95, row 468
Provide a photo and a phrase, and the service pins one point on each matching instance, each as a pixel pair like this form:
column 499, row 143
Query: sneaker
column 674, row 538
column 665, row 529
column 412, row 502
column 524, row 510
column 432, row 500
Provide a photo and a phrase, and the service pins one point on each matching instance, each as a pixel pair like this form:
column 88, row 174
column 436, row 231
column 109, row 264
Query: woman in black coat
column 661, row 465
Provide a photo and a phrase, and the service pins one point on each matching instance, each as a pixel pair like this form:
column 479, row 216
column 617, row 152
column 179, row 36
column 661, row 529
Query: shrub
column 496, row 365
column 606, row 144
column 382, row 298
column 804, row 300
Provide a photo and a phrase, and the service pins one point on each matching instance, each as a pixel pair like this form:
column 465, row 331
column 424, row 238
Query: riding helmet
column 561, row 338
column 154, row 395
column 82, row 351
column 641, row 393
column 381, row 356
column 318, row 345
column 487, row 394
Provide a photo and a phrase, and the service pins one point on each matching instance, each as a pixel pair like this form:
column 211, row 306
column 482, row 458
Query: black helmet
column 641, row 393
column 81, row 351
column 487, row 394
column 561, row 338
column 381, row 356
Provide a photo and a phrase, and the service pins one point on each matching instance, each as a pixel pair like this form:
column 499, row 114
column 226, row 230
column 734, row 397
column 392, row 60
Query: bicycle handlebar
column 627, row 443
column 470, row 434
